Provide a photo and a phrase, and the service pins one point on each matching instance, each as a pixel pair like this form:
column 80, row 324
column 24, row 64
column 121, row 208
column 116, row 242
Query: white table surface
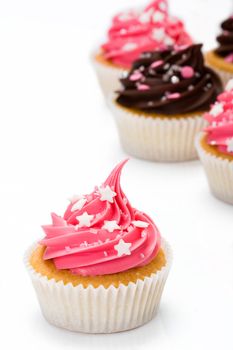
column 57, row 138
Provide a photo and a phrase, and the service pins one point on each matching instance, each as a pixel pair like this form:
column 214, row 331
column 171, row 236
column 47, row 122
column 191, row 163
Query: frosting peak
column 225, row 40
column 220, row 118
column 134, row 32
column 173, row 81
column 101, row 233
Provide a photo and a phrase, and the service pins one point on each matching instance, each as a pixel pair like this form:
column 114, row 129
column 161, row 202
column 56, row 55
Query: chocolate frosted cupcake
column 159, row 109
column 221, row 59
column 215, row 146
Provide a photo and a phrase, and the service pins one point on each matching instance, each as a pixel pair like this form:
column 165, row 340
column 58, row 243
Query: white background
column 57, row 138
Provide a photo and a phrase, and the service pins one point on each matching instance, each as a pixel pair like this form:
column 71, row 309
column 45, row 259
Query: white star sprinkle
column 110, row 226
column 106, row 194
column 229, row 85
column 93, row 230
column 79, row 204
column 213, row 143
column 143, row 234
column 158, row 34
column 122, row 248
column 145, row 16
column 74, row 198
column 139, row 223
column 216, row 109
column 230, row 145
column 162, row 6
column 168, row 40
column 129, row 47
column 84, row 220
column 124, row 16
column 175, row 79
column 158, row 16
column 129, row 228
column 84, row 244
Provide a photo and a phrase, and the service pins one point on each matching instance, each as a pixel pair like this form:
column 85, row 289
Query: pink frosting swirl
column 220, row 118
column 132, row 33
column 101, row 233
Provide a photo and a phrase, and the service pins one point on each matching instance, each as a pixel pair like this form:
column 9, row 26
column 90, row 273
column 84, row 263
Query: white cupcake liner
column 219, row 173
column 108, row 76
column 100, row 310
column 157, row 139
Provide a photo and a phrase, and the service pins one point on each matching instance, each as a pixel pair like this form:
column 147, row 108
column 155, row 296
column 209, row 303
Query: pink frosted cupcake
column 100, row 268
column 215, row 146
column 221, row 59
column 132, row 33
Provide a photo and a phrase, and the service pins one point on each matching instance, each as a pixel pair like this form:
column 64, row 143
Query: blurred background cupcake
column 159, row 109
column 221, row 59
column 102, row 267
column 131, row 33
column 215, row 146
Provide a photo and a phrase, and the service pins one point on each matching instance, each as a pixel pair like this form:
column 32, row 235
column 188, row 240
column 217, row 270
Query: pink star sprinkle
column 135, row 76
column 143, row 87
column 229, row 58
column 180, row 47
column 187, row 72
column 156, row 63
column 173, row 96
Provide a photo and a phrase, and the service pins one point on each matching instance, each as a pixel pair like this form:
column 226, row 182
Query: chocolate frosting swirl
column 170, row 82
column 225, row 39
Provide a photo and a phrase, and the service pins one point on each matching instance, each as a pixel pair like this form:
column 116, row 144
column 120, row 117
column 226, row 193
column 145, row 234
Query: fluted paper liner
column 157, row 139
column 100, row 310
column 108, row 76
column 219, row 172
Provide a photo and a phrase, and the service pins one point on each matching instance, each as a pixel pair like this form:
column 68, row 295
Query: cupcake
column 132, row 33
column 221, row 59
column 102, row 266
column 215, row 146
column 159, row 109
